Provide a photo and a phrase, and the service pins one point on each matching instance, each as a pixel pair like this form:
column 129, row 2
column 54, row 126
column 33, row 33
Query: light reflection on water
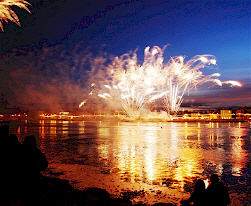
column 171, row 154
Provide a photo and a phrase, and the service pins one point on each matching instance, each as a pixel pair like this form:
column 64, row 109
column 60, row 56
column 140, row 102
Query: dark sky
column 221, row 28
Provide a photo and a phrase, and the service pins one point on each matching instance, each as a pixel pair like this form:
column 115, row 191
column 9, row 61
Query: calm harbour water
column 172, row 154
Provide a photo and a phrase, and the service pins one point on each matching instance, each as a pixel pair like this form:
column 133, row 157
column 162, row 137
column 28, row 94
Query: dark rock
column 140, row 204
column 121, row 202
column 56, row 192
column 96, row 196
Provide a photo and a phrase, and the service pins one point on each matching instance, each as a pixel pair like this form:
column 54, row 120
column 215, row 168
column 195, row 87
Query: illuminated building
column 226, row 114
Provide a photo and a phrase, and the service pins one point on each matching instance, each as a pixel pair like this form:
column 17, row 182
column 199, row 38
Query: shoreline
column 56, row 191
column 82, row 177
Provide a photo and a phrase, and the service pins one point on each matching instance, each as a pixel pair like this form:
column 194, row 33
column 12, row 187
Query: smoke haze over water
column 57, row 78
column 48, row 78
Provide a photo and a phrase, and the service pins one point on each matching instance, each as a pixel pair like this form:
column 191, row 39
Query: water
column 166, row 154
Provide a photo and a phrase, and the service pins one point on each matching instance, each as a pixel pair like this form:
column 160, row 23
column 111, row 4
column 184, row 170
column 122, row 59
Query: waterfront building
column 226, row 114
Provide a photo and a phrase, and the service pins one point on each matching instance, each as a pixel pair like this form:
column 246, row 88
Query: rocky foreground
column 55, row 191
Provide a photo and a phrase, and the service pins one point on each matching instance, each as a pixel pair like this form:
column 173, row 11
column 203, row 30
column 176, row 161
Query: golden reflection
column 219, row 169
column 53, row 128
column 238, row 131
column 150, row 153
column 103, row 151
column 18, row 130
column 188, row 168
column 186, row 133
column 82, row 127
column 174, row 138
column 239, row 156
column 65, row 127
column 42, row 129
column 147, row 154
column 199, row 131
column 211, row 124
column 212, row 133
column 163, row 153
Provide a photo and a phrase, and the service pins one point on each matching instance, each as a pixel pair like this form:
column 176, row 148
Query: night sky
column 220, row 28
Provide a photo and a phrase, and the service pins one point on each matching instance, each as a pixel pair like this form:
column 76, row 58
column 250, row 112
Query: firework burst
column 7, row 14
column 137, row 86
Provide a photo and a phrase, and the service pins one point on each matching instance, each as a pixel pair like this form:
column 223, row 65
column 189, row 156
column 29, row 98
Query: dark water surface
column 172, row 154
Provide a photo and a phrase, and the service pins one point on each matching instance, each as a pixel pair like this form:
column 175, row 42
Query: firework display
column 7, row 14
column 137, row 86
